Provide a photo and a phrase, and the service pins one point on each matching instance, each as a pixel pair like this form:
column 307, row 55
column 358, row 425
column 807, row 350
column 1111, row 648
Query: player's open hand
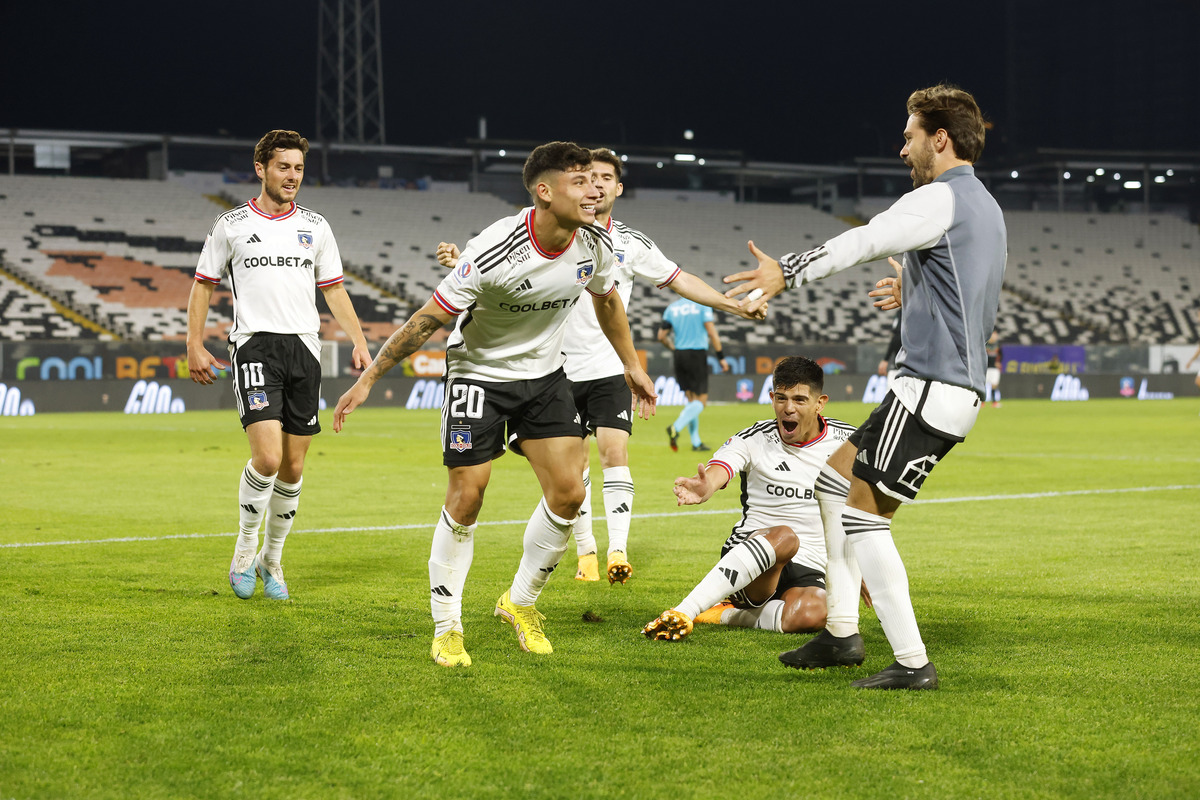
column 448, row 254
column 694, row 490
column 887, row 290
column 202, row 366
column 645, row 399
column 354, row 397
column 761, row 284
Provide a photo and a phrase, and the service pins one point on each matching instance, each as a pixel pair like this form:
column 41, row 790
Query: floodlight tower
column 349, row 72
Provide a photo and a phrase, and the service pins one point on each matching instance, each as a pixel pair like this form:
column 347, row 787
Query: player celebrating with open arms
column 596, row 373
column 952, row 234
column 274, row 252
column 512, row 291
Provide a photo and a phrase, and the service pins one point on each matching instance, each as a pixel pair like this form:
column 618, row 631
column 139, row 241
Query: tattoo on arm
column 406, row 341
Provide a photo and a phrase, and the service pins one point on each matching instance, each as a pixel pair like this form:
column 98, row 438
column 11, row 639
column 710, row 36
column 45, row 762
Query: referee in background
column 687, row 329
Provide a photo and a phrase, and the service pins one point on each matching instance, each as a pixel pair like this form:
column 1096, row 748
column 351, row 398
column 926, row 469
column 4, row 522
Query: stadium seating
column 122, row 253
column 25, row 315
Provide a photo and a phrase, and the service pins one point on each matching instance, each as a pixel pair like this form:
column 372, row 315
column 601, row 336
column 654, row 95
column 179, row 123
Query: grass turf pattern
column 1064, row 626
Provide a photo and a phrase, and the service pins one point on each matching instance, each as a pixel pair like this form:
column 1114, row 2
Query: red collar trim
column 254, row 207
column 815, row 439
column 541, row 251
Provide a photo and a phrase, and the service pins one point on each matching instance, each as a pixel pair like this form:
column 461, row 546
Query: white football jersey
column 779, row 481
column 513, row 299
column 589, row 355
column 274, row 265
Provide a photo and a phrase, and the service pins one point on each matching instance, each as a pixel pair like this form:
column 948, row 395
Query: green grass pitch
column 1053, row 564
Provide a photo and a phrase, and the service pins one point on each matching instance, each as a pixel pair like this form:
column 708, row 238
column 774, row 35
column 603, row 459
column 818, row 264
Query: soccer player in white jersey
column 772, row 567
column 512, row 292
column 275, row 254
column 952, row 234
column 597, row 376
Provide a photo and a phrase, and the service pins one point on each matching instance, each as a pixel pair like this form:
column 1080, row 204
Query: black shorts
column 604, row 403
column 895, row 452
column 479, row 417
column 792, row 576
column 691, row 370
column 275, row 376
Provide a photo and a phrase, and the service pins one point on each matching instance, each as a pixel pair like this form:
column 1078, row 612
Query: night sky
column 795, row 81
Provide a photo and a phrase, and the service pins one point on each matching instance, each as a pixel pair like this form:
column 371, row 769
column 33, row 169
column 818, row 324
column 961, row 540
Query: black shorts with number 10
column 276, row 376
column 479, row 417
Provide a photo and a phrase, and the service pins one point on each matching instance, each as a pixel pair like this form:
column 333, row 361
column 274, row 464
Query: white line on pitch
column 694, row 512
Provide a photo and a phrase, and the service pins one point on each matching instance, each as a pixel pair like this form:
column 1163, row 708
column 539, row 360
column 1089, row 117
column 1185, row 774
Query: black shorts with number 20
column 479, row 417
column 275, row 376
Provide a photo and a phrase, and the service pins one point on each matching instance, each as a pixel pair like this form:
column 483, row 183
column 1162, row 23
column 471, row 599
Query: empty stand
column 122, row 254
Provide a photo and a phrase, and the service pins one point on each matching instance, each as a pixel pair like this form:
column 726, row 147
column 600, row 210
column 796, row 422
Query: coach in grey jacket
column 951, row 234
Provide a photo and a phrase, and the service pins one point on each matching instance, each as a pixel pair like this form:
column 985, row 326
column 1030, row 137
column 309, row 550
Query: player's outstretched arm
column 342, row 308
column 698, row 488
column 448, row 254
column 693, row 288
column 200, row 361
column 767, row 279
column 610, row 312
column 887, row 290
column 399, row 346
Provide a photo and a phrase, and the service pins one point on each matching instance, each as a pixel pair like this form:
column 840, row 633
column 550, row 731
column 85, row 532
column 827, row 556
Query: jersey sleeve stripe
column 728, row 469
column 674, row 275
column 611, row 289
column 202, row 278
column 330, row 282
column 445, row 304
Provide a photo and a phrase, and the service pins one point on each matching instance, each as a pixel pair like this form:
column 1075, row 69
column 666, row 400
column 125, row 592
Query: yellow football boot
column 527, row 622
column 671, row 626
column 618, row 567
column 448, row 650
column 589, row 569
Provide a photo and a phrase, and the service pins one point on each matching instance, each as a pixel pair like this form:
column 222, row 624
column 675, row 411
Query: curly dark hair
column 608, row 157
column 553, row 157
column 264, row 151
column 954, row 111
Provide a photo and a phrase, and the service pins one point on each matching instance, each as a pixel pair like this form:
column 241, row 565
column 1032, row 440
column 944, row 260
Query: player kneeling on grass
column 772, row 569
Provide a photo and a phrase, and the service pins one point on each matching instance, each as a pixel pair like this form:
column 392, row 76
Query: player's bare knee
column 266, row 464
column 804, row 614
column 784, row 541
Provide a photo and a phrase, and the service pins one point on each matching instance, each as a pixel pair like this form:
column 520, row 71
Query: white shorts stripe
column 893, row 427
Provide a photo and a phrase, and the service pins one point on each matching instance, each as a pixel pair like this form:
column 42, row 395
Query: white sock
column 254, row 493
column 842, row 575
column 618, row 506
column 585, row 541
column 733, row 572
column 281, row 512
column 546, row 538
column 767, row 618
column 450, row 558
column 887, row 581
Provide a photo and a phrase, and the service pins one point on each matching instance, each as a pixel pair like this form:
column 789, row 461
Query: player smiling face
column 797, row 409
column 571, row 194
column 282, row 175
column 918, row 153
column 610, row 187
